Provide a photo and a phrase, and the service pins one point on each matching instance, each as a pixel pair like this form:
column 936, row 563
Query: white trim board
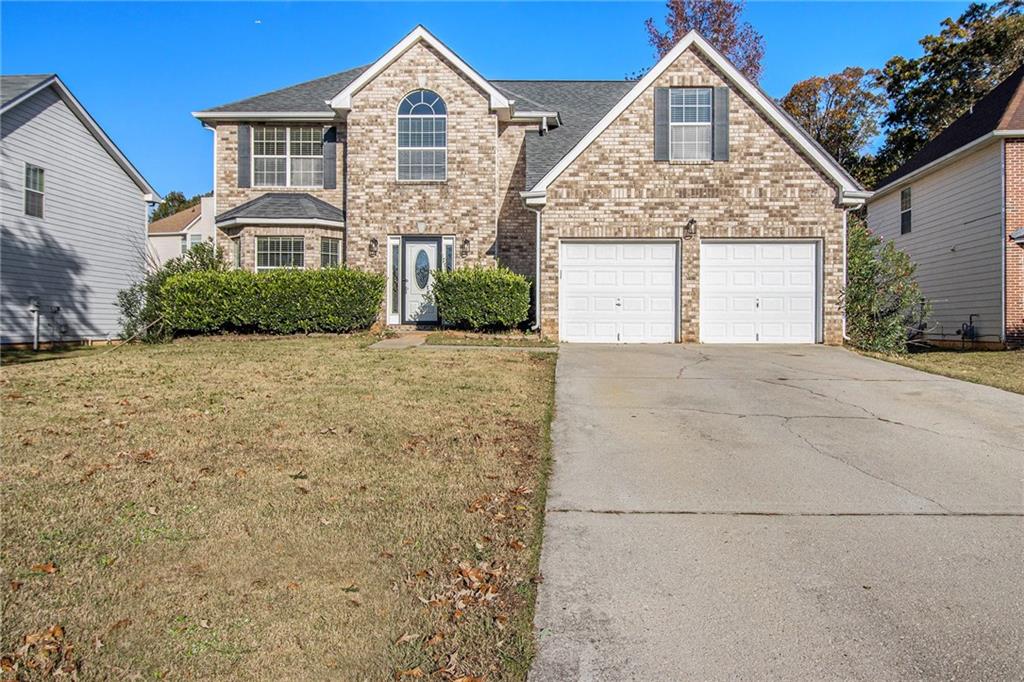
column 343, row 100
column 271, row 222
column 92, row 126
column 761, row 100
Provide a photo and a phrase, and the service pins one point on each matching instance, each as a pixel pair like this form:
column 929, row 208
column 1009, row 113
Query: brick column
column 1014, row 180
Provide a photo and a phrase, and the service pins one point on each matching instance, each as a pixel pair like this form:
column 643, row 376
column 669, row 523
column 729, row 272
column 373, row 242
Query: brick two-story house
column 684, row 206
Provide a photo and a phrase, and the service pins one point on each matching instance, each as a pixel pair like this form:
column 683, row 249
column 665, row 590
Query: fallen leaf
column 516, row 544
column 355, row 600
column 123, row 623
column 300, row 476
column 293, row 586
column 435, row 639
column 240, row 473
column 45, row 568
column 205, row 624
column 468, row 678
column 152, row 511
column 406, row 638
column 412, row 672
column 15, row 585
column 350, row 587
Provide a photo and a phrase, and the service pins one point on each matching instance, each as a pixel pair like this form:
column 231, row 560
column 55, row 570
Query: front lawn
column 1002, row 369
column 292, row 508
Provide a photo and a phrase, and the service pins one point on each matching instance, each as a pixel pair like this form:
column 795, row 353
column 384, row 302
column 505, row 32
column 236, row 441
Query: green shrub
column 883, row 302
column 482, row 298
column 276, row 302
column 140, row 303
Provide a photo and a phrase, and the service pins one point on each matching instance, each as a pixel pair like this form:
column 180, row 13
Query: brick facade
column 1014, row 165
column 311, row 242
column 466, row 205
column 767, row 189
column 613, row 190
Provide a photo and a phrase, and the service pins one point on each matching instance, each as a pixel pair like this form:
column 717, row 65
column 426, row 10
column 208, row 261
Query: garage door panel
column 629, row 289
column 758, row 292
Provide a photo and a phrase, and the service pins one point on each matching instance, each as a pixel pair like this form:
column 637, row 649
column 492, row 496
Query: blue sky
column 141, row 68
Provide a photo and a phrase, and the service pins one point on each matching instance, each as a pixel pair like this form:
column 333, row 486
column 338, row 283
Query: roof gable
column 25, row 87
column 342, row 101
column 176, row 222
column 762, row 101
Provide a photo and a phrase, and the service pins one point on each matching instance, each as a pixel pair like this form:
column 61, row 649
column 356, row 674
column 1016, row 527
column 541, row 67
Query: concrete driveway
column 730, row 512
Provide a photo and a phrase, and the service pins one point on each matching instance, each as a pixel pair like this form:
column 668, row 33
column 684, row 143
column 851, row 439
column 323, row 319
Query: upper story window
column 690, row 124
column 422, row 137
column 34, row 190
column 287, row 156
column 905, row 211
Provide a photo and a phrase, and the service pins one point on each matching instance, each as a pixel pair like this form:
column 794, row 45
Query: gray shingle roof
column 1017, row 235
column 14, row 86
column 284, row 205
column 310, row 96
column 580, row 104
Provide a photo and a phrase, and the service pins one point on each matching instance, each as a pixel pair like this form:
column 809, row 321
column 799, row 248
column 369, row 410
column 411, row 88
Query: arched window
column 422, row 137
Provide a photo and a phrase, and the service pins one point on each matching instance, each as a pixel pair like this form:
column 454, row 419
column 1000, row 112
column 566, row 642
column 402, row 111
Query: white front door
column 618, row 292
column 420, row 260
column 758, row 292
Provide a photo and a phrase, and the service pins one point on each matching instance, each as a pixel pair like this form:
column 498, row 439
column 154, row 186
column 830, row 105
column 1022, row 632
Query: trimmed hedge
column 276, row 302
column 482, row 298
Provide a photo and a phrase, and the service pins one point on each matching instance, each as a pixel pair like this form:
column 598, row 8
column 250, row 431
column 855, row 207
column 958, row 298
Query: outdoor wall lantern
column 690, row 229
column 374, row 246
column 464, row 251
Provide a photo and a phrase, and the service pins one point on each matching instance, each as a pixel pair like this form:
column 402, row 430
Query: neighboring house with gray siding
column 173, row 236
column 957, row 208
column 73, row 217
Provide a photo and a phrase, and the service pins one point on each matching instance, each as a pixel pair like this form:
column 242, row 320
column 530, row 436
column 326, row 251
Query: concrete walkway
column 724, row 512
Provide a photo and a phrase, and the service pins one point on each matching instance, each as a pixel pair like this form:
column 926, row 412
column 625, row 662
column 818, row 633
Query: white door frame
column 626, row 240
column 819, row 277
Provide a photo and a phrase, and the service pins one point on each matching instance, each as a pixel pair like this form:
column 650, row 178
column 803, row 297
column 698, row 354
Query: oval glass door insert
column 422, row 269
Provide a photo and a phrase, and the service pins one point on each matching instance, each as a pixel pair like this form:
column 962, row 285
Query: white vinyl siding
column 81, row 253
column 956, row 241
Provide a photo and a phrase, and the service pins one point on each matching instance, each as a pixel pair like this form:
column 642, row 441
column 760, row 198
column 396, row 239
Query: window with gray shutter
column 331, row 158
column 721, row 125
column 661, row 127
column 244, row 155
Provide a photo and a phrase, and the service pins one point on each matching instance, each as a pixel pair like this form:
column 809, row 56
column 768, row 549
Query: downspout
column 1003, row 238
column 846, row 275
column 536, row 272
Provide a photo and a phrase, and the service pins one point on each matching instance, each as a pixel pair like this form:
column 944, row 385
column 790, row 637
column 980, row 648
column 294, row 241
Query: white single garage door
column 618, row 292
column 759, row 292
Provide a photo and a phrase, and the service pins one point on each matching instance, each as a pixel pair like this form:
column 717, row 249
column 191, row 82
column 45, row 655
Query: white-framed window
column 690, row 124
column 395, row 280
column 330, row 252
column 448, row 255
column 34, row 183
column 194, row 239
column 236, row 252
column 184, row 245
column 422, row 137
column 287, row 156
column 905, row 206
column 273, row 253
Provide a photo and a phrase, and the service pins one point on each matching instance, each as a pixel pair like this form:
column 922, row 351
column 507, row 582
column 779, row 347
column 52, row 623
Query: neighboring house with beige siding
column 73, row 214
column 684, row 206
column 957, row 208
column 173, row 236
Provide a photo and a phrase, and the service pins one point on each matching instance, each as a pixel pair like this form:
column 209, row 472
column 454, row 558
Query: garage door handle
column 618, row 302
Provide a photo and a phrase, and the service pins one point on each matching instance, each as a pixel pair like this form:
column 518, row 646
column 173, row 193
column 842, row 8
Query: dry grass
column 511, row 339
column 1002, row 369
column 279, row 509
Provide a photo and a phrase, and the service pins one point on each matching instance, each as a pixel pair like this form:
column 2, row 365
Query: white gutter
column 536, row 272
column 280, row 221
column 321, row 116
column 846, row 275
